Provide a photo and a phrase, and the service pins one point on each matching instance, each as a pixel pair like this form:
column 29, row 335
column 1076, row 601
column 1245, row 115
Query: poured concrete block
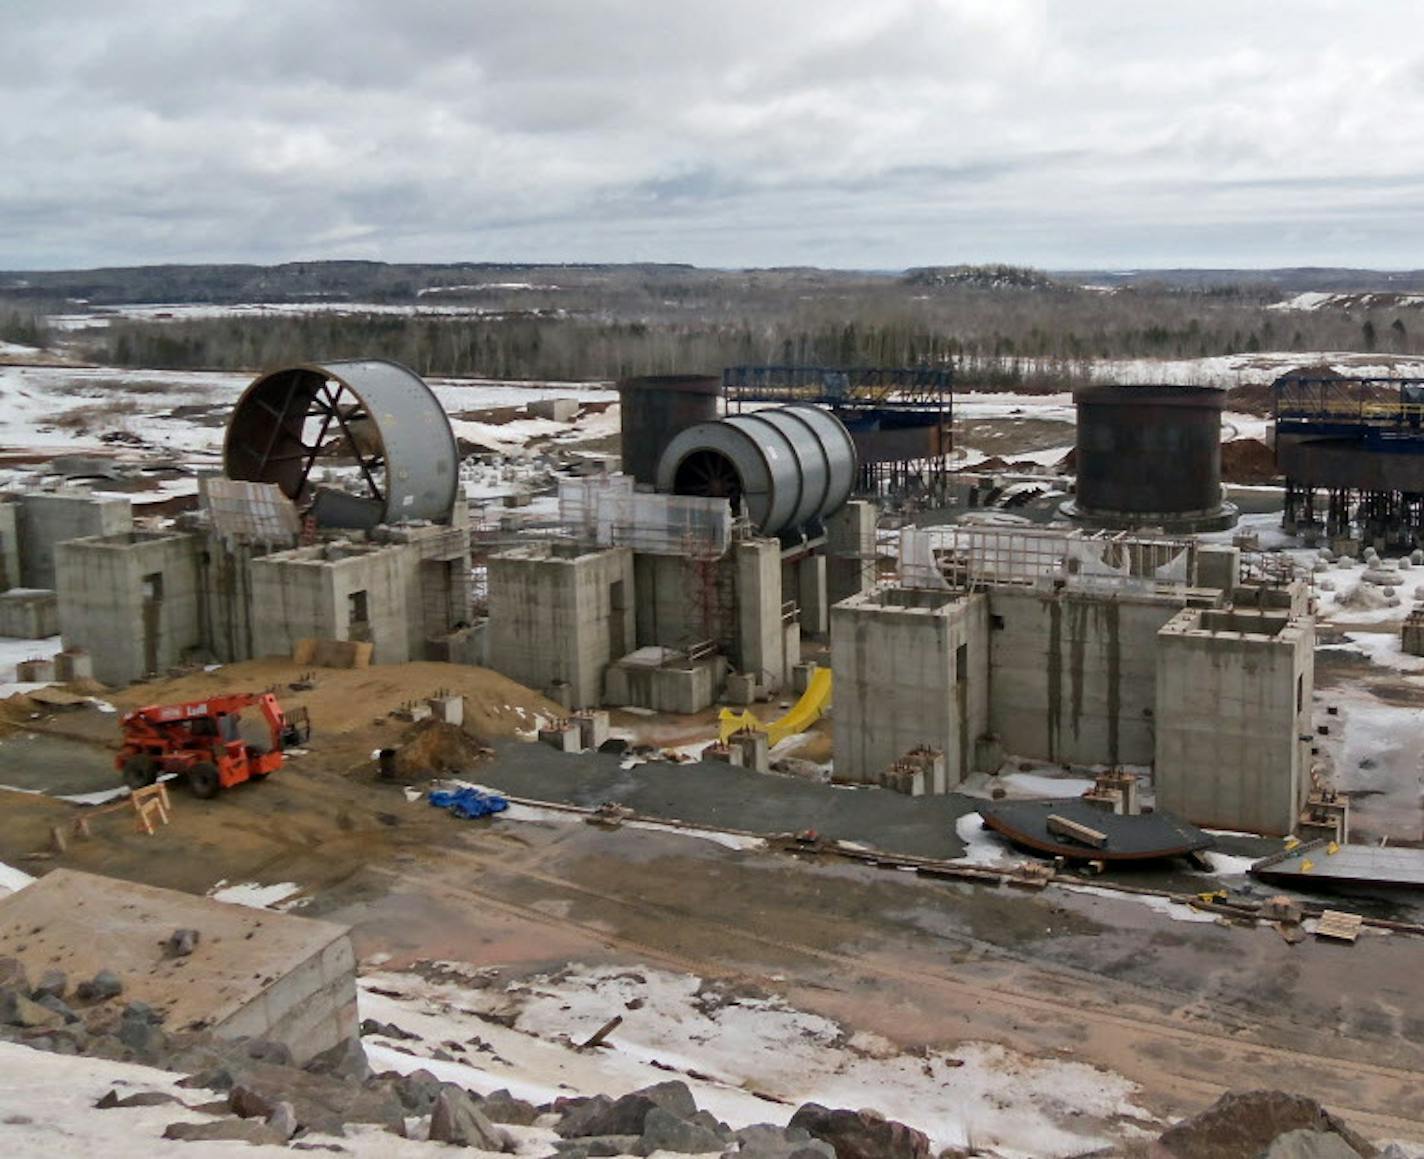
column 252, row 973
column 565, row 737
column 559, row 410
column 756, row 750
column 727, row 754
column 29, row 614
column 741, row 689
column 801, row 676
column 73, row 664
column 448, row 709
column 34, row 671
column 593, row 727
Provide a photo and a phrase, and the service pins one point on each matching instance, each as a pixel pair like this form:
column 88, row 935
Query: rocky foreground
column 252, row 1091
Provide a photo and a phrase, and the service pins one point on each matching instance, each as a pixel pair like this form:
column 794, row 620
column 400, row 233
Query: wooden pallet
column 1340, row 926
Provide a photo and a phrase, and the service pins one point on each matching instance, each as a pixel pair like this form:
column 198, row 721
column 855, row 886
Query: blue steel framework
column 1370, row 421
column 870, row 400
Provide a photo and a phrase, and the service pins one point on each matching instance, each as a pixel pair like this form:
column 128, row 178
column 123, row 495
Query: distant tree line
column 996, row 325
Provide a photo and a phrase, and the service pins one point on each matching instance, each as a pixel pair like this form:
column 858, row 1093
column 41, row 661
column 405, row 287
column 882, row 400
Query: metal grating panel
column 245, row 512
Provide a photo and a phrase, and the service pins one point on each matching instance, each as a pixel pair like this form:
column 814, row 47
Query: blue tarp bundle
column 468, row 803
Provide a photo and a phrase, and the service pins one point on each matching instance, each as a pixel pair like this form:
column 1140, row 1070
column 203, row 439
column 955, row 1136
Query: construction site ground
column 1185, row 1008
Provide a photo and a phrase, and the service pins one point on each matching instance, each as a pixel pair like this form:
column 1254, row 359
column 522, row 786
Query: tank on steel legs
column 655, row 408
column 1150, row 456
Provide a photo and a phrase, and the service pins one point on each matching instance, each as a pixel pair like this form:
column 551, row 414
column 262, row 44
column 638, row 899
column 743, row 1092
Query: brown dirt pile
column 432, row 746
column 349, row 700
column 1248, row 461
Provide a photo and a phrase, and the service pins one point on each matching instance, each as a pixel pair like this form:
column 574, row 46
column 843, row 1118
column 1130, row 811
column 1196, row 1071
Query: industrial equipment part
column 784, row 468
column 1150, row 456
column 376, row 416
column 654, row 409
column 202, row 740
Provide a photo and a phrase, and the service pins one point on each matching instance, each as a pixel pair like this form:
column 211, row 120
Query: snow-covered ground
column 738, row 1052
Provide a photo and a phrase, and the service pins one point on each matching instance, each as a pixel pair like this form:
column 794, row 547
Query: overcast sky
column 853, row 133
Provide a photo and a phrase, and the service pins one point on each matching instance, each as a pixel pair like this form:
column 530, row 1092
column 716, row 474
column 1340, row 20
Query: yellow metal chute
column 802, row 715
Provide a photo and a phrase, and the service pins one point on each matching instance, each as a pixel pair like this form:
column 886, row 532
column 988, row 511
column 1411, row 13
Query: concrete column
column 760, row 647
column 9, row 546
column 850, row 550
column 811, row 595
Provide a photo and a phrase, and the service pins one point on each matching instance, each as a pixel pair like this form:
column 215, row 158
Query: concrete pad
column 254, row 973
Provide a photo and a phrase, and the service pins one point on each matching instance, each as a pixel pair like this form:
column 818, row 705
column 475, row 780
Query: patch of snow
column 12, row 879
column 252, row 894
column 13, row 651
column 1162, row 905
column 727, row 1046
column 982, row 846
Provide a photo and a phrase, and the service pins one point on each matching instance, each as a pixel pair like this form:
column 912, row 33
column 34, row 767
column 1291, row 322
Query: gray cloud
column 724, row 132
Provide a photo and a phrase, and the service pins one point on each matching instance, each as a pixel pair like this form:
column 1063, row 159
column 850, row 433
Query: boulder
column 181, row 943
column 249, row 1104
column 13, row 975
column 861, row 1134
column 664, row 1131
column 503, row 1107
column 17, row 1010
column 100, row 988
column 596, row 1146
column 283, row 1120
column 224, row 1130
column 627, row 1115
column 455, row 1119
column 53, row 983
column 1245, row 1124
column 57, row 1004
column 418, row 1091
column 140, row 1099
column 1309, row 1145
column 766, row 1141
column 347, row 1060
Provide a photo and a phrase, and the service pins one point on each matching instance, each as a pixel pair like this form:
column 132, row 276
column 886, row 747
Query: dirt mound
column 432, row 746
column 346, row 700
column 1248, row 461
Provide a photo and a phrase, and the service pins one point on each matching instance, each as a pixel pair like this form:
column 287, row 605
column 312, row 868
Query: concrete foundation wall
column 850, row 551
column 308, row 592
column 9, row 546
column 132, row 601
column 910, row 670
column 761, row 648
column 1073, row 675
column 1233, row 704
column 559, row 617
column 28, row 615
column 45, row 519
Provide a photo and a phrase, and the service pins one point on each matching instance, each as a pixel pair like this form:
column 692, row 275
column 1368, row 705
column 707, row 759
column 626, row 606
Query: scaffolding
column 608, row 512
column 969, row 559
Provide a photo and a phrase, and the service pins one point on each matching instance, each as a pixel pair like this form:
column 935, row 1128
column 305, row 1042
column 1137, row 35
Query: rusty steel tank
column 1150, row 457
column 656, row 408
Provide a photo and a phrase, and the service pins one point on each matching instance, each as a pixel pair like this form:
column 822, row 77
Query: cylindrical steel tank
column 376, row 416
column 785, row 468
column 655, row 408
column 1150, row 456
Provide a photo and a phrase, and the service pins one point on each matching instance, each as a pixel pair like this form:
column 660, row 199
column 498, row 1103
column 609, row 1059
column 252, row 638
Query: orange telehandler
column 201, row 740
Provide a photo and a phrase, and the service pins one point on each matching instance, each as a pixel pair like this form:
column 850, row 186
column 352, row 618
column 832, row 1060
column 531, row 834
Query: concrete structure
column 1233, row 718
column 253, row 973
column 133, row 601
column 664, row 680
column 44, row 519
column 850, row 551
column 559, row 410
column 29, row 613
column 559, row 615
column 1074, row 673
column 910, row 671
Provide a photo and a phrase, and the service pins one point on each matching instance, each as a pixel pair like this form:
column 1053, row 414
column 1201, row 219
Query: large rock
column 596, row 1146
column 100, row 988
column 664, row 1131
column 13, row 975
column 767, row 1141
column 455, row 1119
column 861, row 1134
column 139, row 1099
column 627, row 1115
column 17, row 1010
column 418, row 1091
column 502, row 1107
column 1310, row 1145
column 347, row 1060
column 1243, row 1125
column 224, row 1130
column 52, row 982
